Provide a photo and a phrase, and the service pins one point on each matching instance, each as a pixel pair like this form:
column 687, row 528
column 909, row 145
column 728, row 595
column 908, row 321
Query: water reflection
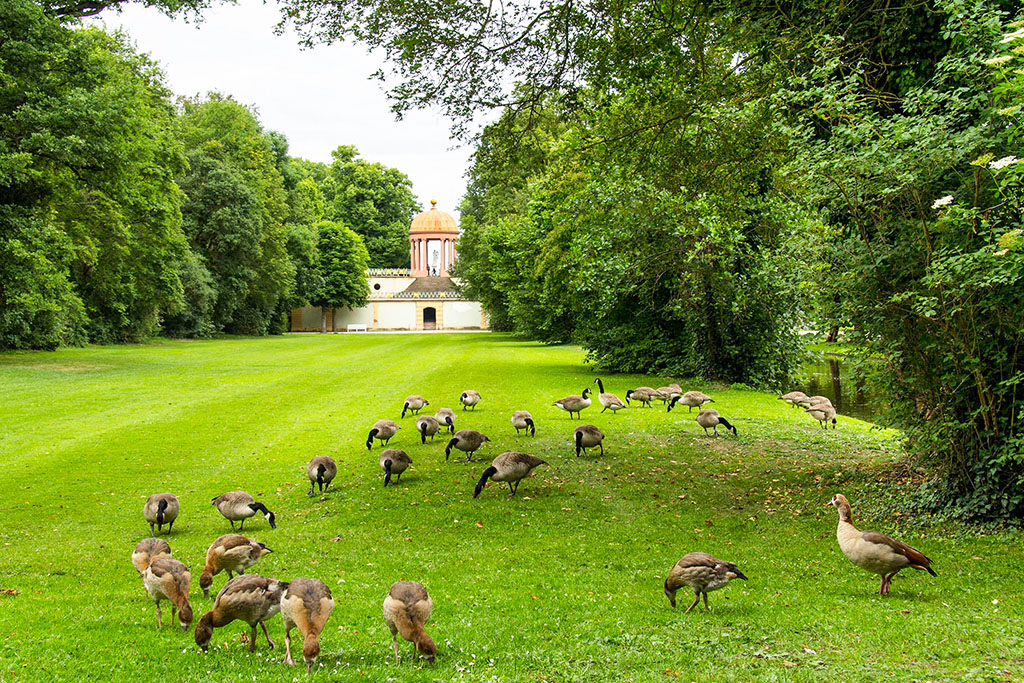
column 825, row 377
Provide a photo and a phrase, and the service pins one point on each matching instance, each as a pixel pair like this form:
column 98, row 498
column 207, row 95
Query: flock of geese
column 306, row 604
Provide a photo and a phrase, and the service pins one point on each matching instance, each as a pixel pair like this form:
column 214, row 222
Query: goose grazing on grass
column 169, row 580
column 414, row 404
column 710, row 418
column 875, row 552
column 230, row 553
column 508, row 467
column 808, row 401
column 238, row 506
column 306, row 604
column 521, row 419
column 394, row 461
column 469, row 398
column 407, row 608
column 467, row 441
column 823, row 413
column 321, row 472
column 252, row 598
column 148, row 550
column 160, row 509
column 446, row 416
column 645, row 395
column 701, row 572
column 609, row 401
column 383, row 431
column 427, row 426
column 587, row 436
column 575, row 403
column 691, row 399
column 794, row 398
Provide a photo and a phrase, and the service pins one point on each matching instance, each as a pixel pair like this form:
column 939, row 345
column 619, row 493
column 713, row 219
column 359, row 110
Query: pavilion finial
column 433, row 203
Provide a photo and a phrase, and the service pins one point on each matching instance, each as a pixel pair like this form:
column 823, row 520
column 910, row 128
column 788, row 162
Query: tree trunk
column 323, row 320
column 833, row 334
column 334, row 320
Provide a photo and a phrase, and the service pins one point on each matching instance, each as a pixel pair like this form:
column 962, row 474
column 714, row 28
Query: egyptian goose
column 160, row 509
column 609, row 401
column 469, row 399
column 467, row 441
column 873, row 551
column 414, row 404
column 167, row 579
column 147, row 550
column 701, row 572
column 709, row 417
column 321, row 472
column 446, row 416
column 394, row 461
column 509, row 467
column 252, row 598
column 238, row 506
column 691, row 399
column 383, row 431
column 522, row 419
column 230, row 553
column 823, row 413
column 575, row 403
column 587, row 436
column 427, row 426
column 407, row 608
column 306, row 604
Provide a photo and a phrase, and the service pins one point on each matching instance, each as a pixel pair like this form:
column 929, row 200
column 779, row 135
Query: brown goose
column 230, row 553
column 609, row 401
column 394, row 461
column 691, row 399
column 508, row 467
column 575, row 403
column 793, row 398
column 588, row 436
column 467, row 441
column 701, row 572
column 823, row 412
column 875, row 552
column 427, row 426
column 645, row 395
column 709, row 417
column 321, row 472
column 252, row 598
column 160, row 509
column 522, row 419
column 808, row 401
column 446, row 416
column 147, row 550
column 169, row 580
column 238, row 506
column 306, row 604
column 469, row 399
column 383, row 431
column 407, row 608
column 414, row 404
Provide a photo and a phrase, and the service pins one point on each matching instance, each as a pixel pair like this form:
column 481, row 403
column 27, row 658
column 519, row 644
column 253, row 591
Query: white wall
column 343, row 317
column 461, row 314
column 388, row 285
column 396, row 315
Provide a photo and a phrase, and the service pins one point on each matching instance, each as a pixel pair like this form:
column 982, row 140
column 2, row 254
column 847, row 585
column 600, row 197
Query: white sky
column 319, row 98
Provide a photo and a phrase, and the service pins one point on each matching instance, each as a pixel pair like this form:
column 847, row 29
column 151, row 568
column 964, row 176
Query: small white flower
column 997, row 61
column 1002, row 163
column 943, row 201
column 1010, row 37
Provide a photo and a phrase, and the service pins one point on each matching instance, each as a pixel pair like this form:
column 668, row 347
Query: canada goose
column 160, row 509
column 508, row 467
column 873, row 551
column 446, row 416
column 147, row 550
column 394, row 461
column 407, row 608
column 427, row 426
column 823, row 412
column 383, row 431
column 414, row 404
column 588, row 436
column 808, row 401
column 230, row 553
column 670, row 391
column 169, row 580
column 467, row 441
column 469, row 398
column 609, row 401
column 307, row 603
column 793, row 397
column 238, row 506
column 710, row 418
column 521, row 419
column 701, row 572
column 691, row 399
column 645, row 395
column 321, row 472
column 575, row 403
column 252, row 598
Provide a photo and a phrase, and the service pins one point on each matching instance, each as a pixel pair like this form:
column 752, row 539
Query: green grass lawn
column 561, row 583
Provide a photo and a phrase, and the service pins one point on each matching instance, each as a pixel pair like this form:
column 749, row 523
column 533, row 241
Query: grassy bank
column 562, row 583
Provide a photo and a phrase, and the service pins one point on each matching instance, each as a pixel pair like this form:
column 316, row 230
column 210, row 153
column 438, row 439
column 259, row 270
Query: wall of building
column 459, row 315
column 380, row 286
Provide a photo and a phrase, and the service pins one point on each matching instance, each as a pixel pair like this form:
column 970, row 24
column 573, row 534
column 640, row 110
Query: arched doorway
column 430, row 318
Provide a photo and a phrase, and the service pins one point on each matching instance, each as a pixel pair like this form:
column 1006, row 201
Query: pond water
column 833, row 377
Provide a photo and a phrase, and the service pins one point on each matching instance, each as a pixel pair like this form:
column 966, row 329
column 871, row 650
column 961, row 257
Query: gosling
column 252, row 598
column 407, row 608
column 230, row 553
column 169, row 580
column 306, row 604
column 701, row 572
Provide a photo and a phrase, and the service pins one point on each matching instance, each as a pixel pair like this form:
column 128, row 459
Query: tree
column 341, row 263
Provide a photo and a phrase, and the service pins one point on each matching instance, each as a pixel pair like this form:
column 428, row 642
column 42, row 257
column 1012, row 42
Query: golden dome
column 433, row 221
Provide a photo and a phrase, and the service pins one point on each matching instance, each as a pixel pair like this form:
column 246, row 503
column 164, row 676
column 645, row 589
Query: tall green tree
column 341, row 264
